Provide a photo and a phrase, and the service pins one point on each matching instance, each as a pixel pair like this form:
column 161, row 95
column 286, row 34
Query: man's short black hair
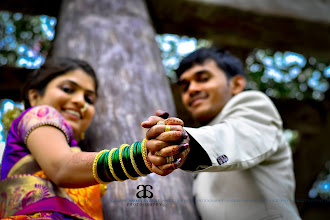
column 230, row 64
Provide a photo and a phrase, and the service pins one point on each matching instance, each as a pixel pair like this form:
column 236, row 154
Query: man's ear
column 33, row 97
column 237, row 84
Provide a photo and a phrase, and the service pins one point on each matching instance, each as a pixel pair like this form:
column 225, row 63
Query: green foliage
column 174, row 48
column 9, row 110
column 25, row 40
column 278, row 74
column 287, row 75
column 9, row 116
column 292, row 137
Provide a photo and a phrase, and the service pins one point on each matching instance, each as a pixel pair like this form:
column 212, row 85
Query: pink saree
column 25, row 190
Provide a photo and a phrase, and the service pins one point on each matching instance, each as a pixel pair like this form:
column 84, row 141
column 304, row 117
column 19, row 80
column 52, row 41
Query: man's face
column 204, row 90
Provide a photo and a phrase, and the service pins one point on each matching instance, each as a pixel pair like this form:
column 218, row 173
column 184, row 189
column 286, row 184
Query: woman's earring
column 82, row 136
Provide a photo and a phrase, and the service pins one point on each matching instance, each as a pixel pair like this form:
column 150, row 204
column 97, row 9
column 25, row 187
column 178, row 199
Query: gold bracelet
column 145, row 154
column 133, row 161
column 96, row 176
column 122, row 163
column 110, row 165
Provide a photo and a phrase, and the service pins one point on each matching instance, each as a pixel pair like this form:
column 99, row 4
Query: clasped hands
column 167, row 143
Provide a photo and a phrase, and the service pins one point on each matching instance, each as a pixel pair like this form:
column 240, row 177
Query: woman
column 44, row 173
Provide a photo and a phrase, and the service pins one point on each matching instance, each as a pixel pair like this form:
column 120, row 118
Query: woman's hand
column 166, row 165
column 168, row 143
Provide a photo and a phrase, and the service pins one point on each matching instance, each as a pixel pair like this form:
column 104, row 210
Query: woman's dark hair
column 52, row 68
column 230, row 64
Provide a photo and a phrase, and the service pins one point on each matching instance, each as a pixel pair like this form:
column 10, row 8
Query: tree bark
column 117, row 39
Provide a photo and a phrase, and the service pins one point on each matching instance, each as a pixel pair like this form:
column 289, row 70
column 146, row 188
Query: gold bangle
column 96, row 176
column 145, row 154
column 133, row 161
column 110, row 165
column 122, row 163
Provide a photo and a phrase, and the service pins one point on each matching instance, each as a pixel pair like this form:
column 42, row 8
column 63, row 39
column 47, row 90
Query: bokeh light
column 321, row 187
column 25, row 40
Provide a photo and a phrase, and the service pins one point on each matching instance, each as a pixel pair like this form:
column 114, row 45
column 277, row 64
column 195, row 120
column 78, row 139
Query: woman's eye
column 89, row 100
column 67, row 89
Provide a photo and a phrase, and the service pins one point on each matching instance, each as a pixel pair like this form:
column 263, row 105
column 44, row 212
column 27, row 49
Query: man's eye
column 184, row 87
column 204, row 78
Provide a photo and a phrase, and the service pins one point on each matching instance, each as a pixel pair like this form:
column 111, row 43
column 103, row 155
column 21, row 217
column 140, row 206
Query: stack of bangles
column 127, row 162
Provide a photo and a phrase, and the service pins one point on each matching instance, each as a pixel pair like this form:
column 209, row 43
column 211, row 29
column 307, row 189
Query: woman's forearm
column 76, row 170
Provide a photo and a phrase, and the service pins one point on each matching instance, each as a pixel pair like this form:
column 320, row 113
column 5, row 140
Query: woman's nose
column 79, row 98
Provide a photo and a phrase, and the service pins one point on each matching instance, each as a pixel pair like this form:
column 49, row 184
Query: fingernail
column 177, row 162
column 184, row 135
column 183, row 146
column 162, row 114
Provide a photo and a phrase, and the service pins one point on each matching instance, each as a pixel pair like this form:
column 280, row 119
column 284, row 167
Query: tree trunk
column 117, row 39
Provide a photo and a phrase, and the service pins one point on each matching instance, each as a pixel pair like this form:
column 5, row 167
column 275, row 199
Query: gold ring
column 169, row 159
column 157, row 153
column 160, row 123
column 167, row 128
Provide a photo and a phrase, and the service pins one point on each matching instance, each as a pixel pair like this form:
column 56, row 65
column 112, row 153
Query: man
column 244, row 165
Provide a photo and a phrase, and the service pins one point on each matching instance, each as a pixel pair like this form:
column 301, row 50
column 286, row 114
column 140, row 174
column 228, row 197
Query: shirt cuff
column 197, row 158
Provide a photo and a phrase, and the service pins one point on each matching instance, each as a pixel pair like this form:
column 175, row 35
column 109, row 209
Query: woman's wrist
column 127, row 162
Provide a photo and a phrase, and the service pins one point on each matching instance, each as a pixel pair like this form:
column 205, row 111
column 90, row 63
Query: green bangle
column 127, row 162
column 122, row 147
column 101, row 172
column 95, row 167
column 110, row 165
column 117, row 166
column 133, row 161
column 138, row 157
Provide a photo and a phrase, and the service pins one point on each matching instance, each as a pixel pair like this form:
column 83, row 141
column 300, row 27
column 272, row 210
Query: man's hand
column 168, row 143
